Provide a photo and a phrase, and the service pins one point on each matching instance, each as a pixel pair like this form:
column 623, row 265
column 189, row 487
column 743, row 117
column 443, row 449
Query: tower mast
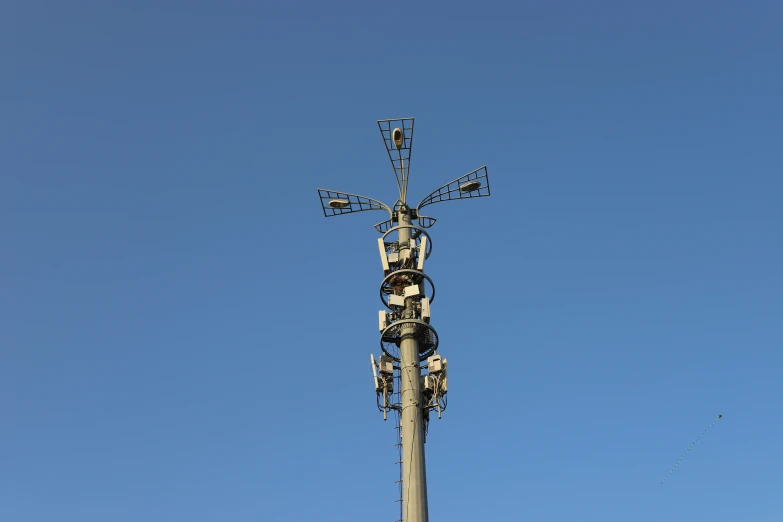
column 408, row 342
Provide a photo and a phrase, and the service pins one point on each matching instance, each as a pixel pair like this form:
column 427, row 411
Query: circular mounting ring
column 392, row 335
column 396, row 279
column 413, row 236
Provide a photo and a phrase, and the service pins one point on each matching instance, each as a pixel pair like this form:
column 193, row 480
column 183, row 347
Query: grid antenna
column 397, row 136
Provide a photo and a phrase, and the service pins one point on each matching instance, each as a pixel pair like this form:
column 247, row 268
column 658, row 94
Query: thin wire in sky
column 689, row 448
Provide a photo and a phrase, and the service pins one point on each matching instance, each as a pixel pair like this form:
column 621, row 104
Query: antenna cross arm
column 472, row 185
column 335, row 203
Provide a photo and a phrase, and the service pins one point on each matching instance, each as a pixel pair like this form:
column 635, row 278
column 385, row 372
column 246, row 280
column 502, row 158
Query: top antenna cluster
column 397, row 137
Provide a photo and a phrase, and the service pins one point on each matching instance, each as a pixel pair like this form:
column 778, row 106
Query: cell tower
column 409, row 343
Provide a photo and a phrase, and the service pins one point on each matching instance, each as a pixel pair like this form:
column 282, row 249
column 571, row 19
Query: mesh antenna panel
column 472, row 185
column 400, row 157
column 335, row 203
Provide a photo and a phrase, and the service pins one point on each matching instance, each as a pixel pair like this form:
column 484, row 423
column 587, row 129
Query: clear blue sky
column 185, row 337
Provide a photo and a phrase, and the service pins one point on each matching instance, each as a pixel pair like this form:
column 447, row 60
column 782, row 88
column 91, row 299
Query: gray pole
column 414, row 475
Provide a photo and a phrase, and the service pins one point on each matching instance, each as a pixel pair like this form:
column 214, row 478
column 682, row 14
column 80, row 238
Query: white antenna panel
column 382, row 321
column 422, row 253
column 425, row 309
column 382, row 249
column 374, row 374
